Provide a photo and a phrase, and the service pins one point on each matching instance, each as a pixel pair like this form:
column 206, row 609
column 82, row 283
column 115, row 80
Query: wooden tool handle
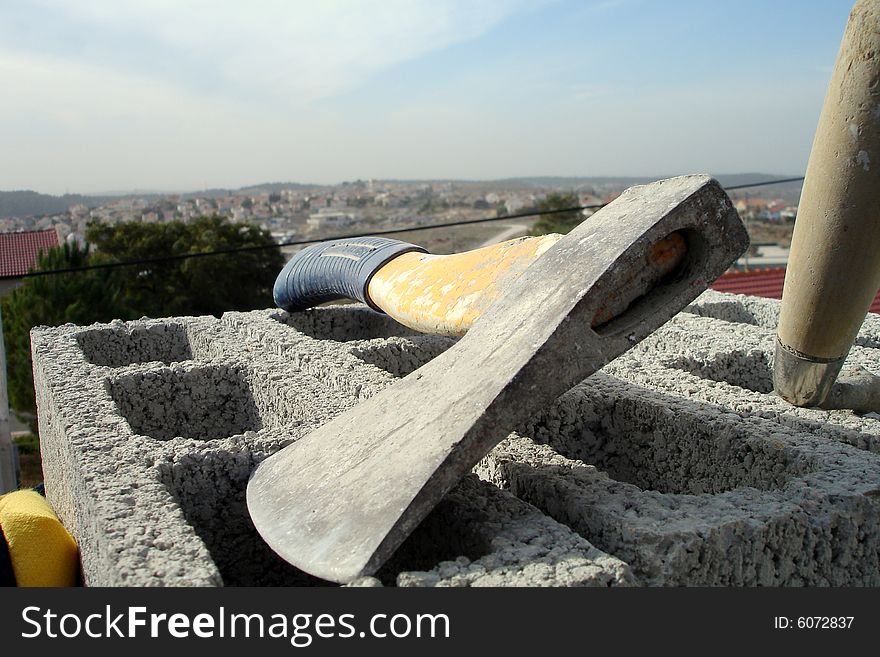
column 439, row 294
column 834, row 268
column 445, row 294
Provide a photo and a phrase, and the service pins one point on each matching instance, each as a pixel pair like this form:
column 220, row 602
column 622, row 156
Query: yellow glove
column 40, row 550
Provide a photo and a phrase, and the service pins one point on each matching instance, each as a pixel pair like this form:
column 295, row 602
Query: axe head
column 339, row 501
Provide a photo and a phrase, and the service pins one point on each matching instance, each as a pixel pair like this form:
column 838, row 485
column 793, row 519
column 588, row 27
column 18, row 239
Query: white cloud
column 69, row 94
column 67, row 125
column 92, row 116
column 297, row 50
column 71, row 125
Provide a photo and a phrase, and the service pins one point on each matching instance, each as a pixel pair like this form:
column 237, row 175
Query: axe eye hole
column 668, row 271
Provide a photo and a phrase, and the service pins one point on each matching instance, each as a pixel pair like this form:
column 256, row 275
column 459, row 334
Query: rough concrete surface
column 673, row 465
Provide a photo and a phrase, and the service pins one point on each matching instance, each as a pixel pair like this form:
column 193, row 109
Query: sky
column 177, row 95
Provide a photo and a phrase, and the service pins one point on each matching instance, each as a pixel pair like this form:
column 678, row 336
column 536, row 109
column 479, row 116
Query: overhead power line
column 388, row 231
column 762, row 184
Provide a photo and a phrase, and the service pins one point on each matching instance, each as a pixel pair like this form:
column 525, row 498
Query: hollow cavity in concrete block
column 503, row 541
column 120, row 346
column 449, row 533
column 736, row 308
column 202, row 403
column 751, row 370
column 401, row 356
column 461, row 531
column 764, row 313
column 344, row 323
column 741, row 537
column 210, row 490
column 635, row 439
column 728, row 311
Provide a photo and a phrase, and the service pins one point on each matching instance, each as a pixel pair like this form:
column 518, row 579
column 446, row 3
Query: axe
column 339, row 501
column 440, row 294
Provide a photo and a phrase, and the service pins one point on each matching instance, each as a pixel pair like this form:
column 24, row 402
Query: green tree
column 78, row 297
column 558, row 222
column 193, row 286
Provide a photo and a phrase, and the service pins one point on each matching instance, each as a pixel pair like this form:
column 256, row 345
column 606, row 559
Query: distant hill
column 577, row 182
column 574, row 182
column 598, row 182
column 274, row 187
column 26, row 203
column 788, row 191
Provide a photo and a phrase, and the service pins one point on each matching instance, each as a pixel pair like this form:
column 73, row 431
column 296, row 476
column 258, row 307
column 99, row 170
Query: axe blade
column 339, row 501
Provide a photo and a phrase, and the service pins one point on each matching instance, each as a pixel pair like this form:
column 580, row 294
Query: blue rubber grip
column 335, row 270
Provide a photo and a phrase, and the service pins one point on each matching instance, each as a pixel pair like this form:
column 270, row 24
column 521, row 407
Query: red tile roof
column 763, row 283
column 18, row 251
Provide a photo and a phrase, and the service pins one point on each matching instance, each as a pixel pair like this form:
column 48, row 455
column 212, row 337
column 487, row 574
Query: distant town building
column 514, row 204
column 764, row 209
column 329, row 219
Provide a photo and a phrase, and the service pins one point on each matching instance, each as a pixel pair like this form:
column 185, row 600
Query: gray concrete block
column 151, row 429
column 674, row 465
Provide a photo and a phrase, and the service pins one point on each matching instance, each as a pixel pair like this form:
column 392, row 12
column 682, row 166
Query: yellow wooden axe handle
column 440, row 294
